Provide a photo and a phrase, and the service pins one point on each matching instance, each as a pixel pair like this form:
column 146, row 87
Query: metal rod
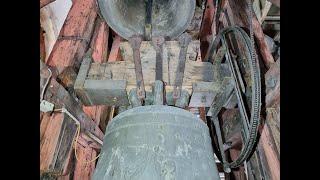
column 184, row 41
column 135, row 42
column 157, row 43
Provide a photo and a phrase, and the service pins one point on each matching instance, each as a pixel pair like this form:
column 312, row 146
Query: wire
column 45, row 85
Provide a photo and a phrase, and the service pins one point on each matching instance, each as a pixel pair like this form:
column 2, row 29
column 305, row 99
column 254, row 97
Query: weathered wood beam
column 238, row 173
column 56, row 144
column 84, row 170
column 272, row 78
column 100, row 41
column 86, row 154
column 270, row 151
column 86, row 150
column 207, row 27
column 57, row 132
column 114, row 79
column 60, row 97
column 202, row 112
column 45, row 2
column 115, row 54
column 74, row 36
column 238, row 12
column 42, row 46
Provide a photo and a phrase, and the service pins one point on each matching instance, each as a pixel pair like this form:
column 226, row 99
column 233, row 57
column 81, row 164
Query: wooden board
column 56, row 144
column 52, row 17
column 75, row 35
column 121, row 72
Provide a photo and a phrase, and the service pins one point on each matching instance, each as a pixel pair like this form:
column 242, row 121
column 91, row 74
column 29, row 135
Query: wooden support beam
column 100, row 41
column 115, row 54
column 114, row 79
column 238, row 173
column 272, row 78
column 202, row 112
column 86, row 154
column 59, row 96
column 270, row 151
column 83, row 170
column 207, row 29
column 56, row 144
column 86, row 151
column 45, row 2
column 74, row 36
column 237, row 11
column 42, row 46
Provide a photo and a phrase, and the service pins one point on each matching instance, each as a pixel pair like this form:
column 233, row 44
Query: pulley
column 244, row 72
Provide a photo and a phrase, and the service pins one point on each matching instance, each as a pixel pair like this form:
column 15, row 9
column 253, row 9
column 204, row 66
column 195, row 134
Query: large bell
column 169, row 18
column 156, row 142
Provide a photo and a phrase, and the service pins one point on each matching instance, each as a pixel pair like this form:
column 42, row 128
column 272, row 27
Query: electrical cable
column 64, row 110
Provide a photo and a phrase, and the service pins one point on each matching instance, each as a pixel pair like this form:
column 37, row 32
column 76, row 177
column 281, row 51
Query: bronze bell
column 167, row 18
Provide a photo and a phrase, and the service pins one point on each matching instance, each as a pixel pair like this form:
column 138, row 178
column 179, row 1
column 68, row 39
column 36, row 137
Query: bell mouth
column 169, row 18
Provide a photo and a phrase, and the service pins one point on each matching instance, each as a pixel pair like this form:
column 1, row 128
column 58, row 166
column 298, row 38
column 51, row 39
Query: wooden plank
column 83, row 170
column 58, row 95
column 45, row 2
column 106, row 92
column 65, row 146
column 74, row 36
column 203, row 94
column 195, row 71
column 272, row 78
column 238, row 173
column 115, row 54
column 49, row 142
column 273, row 162
column 45, row 119
column 202, row 112
column 100, row 41
column 56, row 144
column 206, row 27
column 42, row 45
column 52, row 18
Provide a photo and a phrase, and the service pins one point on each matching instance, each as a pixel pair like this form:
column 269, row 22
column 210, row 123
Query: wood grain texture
column 115, row 54
column 206, row 27
column 74, row 36
column 106, row 79
column 100, row 41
